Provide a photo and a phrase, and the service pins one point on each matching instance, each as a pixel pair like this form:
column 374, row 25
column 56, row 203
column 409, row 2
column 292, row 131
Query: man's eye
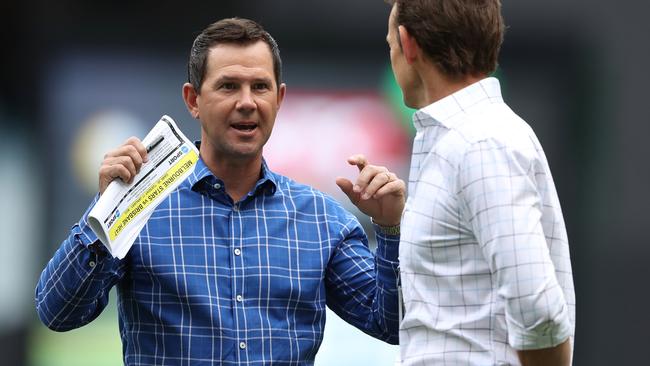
column 228, row 86
column 261, row 86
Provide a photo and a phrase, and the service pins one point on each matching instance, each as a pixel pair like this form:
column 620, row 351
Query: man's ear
column 409, row 45
column 282, row 90
column 190, row 97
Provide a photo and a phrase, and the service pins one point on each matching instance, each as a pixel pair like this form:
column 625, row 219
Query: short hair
column 229, row 31
column 462, row 37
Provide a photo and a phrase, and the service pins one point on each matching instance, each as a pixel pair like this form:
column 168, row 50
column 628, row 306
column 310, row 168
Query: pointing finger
column 359, row 160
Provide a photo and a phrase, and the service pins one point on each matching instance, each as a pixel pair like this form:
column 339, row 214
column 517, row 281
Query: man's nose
column 246, row 100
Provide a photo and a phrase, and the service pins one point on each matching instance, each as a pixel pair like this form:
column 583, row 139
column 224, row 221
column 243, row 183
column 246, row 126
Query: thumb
column 346, row 186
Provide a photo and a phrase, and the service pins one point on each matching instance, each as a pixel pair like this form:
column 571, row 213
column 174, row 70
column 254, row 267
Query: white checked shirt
column 484, row 254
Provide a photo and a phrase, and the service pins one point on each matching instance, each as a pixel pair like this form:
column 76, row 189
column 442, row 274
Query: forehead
column 254, row 57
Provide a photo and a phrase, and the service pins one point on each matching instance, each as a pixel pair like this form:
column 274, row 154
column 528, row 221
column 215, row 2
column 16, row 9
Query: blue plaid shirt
column 210, row 281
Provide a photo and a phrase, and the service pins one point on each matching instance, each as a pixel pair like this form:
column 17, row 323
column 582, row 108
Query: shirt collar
column 202, row 172
column 268, row 179
column 444, row 110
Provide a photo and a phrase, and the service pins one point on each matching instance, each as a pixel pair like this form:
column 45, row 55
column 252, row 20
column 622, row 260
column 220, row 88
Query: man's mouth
column 244, row 126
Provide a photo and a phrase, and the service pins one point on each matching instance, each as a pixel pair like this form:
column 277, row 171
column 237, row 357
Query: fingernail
column 365, row 196
column 356, row 188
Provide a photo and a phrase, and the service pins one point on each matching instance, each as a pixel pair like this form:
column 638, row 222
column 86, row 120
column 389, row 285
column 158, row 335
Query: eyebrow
column 226, row 78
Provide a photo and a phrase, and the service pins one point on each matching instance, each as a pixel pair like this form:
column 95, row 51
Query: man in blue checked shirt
column 236, row 266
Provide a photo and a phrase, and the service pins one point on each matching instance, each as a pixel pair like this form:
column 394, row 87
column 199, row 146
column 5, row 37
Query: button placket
column 238, row 280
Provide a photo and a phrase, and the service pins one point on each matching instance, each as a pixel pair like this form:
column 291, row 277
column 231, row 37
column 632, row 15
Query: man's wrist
column 387, row 229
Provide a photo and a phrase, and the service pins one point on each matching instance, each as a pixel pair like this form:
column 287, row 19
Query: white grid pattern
column 484, row 255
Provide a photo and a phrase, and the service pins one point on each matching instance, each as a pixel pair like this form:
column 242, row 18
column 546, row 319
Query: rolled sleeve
column 504, row 209
column 555, row 329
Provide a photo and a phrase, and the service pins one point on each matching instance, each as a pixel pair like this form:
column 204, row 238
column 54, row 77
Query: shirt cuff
column 387, row 244
column 84, row 234
column 544, row 335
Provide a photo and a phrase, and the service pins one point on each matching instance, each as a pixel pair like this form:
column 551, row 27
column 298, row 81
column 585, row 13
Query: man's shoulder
column 310, row 200
column 291, row 188
column 495, row 125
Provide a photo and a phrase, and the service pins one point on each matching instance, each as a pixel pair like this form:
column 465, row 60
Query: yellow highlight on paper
column 156, row 189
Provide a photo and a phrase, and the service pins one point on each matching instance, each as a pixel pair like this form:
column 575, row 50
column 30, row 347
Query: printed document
column 123, row 209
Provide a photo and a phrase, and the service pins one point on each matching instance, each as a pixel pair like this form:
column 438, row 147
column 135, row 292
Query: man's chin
column 245, row 152
column 239, row 151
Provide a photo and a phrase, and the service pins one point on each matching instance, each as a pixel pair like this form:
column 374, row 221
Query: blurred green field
column 97, row 343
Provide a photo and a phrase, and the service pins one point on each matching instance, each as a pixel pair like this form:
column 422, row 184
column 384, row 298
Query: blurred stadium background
column 79, row 77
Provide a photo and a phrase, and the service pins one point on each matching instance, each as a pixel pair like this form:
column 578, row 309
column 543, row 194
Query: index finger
column 139, row 146
column 359, row 160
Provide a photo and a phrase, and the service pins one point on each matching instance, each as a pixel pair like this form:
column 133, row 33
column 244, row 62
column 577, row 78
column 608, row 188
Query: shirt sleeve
column 362, row 287
column 503, row 205
column 73, row 288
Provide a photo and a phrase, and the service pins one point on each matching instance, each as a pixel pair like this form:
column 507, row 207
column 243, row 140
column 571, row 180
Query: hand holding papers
column 123, row 209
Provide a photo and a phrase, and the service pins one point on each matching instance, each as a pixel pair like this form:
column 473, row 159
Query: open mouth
column 244, row 126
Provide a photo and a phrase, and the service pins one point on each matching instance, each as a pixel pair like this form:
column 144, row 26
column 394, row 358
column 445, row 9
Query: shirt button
column 239, row 298
column 92, row 264
column 217, row 186
column 235, row 208
column 237, row 251
column 242, row 345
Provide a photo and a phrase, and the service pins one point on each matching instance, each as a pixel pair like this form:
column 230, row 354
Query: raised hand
column 124, row 162
column 377, row 192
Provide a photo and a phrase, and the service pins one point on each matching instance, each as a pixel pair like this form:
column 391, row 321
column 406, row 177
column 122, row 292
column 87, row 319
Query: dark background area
column 576, row 71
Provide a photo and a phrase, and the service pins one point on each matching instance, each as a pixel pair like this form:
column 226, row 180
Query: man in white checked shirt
column 484, row 257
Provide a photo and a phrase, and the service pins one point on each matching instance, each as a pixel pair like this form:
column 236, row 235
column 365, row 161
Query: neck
column 239, row 175
column 436, row 86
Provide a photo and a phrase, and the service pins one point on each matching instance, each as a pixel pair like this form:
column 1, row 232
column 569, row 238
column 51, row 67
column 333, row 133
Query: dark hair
column 232, row 30
column 462, row 37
